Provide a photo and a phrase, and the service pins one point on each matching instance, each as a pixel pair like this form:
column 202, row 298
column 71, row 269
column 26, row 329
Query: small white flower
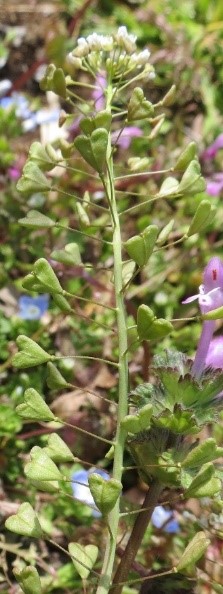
column 71, row 59
column 141, row 58
column 100, row 42
column 126, row 40
column 82, row 48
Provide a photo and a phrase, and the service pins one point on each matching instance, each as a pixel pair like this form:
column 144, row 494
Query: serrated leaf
column 104, row 492
column 57, row 449
column 34, row 407
column 193, row 551
column 29, row 580
column 41, row 468
column 83, row 557
column 30, row 354
column 34, row 218
column 25, row 522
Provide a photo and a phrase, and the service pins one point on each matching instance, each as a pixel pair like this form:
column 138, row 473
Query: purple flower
column 210, row 297
column 164, row 519
column 98, row 93
column 212, row 150
column 123, row 138
column 215, row 185
column 81, row 489
column 14, row 172
column 215, row 353
column 32, row 308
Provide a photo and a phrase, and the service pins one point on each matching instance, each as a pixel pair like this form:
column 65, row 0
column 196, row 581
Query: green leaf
column 164, row 234
column 149, row 327
column 204, row 216
column 57, row 450
column 59, row 83
column 105, row 492
column 54, row 80
column 194, row 551
column 30, row 353
column 45, row 275
column 25, row 522
column 192, row 182
column 168, row 99
column 94, row 148
column 41, row 468
column 203, row 453
column 145, row 318
column 179, row 421
column 44, row 156
column 54, row 378
column 169, row 187
column 140, row 421
column 83, row 557
column 203, row 482
column 101, row 120
column 34, row 218
column 140, row 247
column 34, row 407
column 82, row 215
column 29, row 580
column 62, row 303
column 188, row 154
column 159, row 329
column 135, row 249
column 139, row 107
column 70, row 255
column 215, row 314
column 33, row 180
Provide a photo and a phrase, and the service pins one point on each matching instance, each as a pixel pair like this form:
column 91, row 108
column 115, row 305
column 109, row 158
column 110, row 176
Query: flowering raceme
column 210, row 297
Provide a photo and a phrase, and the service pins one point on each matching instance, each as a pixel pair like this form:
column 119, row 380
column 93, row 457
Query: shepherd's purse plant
column 157, row 423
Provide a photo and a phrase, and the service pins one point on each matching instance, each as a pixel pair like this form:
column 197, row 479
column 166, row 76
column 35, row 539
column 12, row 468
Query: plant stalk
column 113, row 518
column 135, row 539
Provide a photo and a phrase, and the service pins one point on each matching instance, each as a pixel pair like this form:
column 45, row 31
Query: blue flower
column 160, row 517
column 32, row 308
column 81, row 489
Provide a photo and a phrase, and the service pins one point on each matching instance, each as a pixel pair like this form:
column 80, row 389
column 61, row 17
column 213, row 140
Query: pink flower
column 123, row 139
column 210, row 297
column 212, row 150
column 215, row 185
column 215, row 353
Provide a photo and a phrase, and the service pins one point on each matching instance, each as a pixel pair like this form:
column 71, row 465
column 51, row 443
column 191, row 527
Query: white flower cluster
column 126, row 40
column 89, row 51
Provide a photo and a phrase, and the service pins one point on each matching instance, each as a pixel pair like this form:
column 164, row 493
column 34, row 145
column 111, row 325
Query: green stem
column 139, row 529
column 109, row 558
